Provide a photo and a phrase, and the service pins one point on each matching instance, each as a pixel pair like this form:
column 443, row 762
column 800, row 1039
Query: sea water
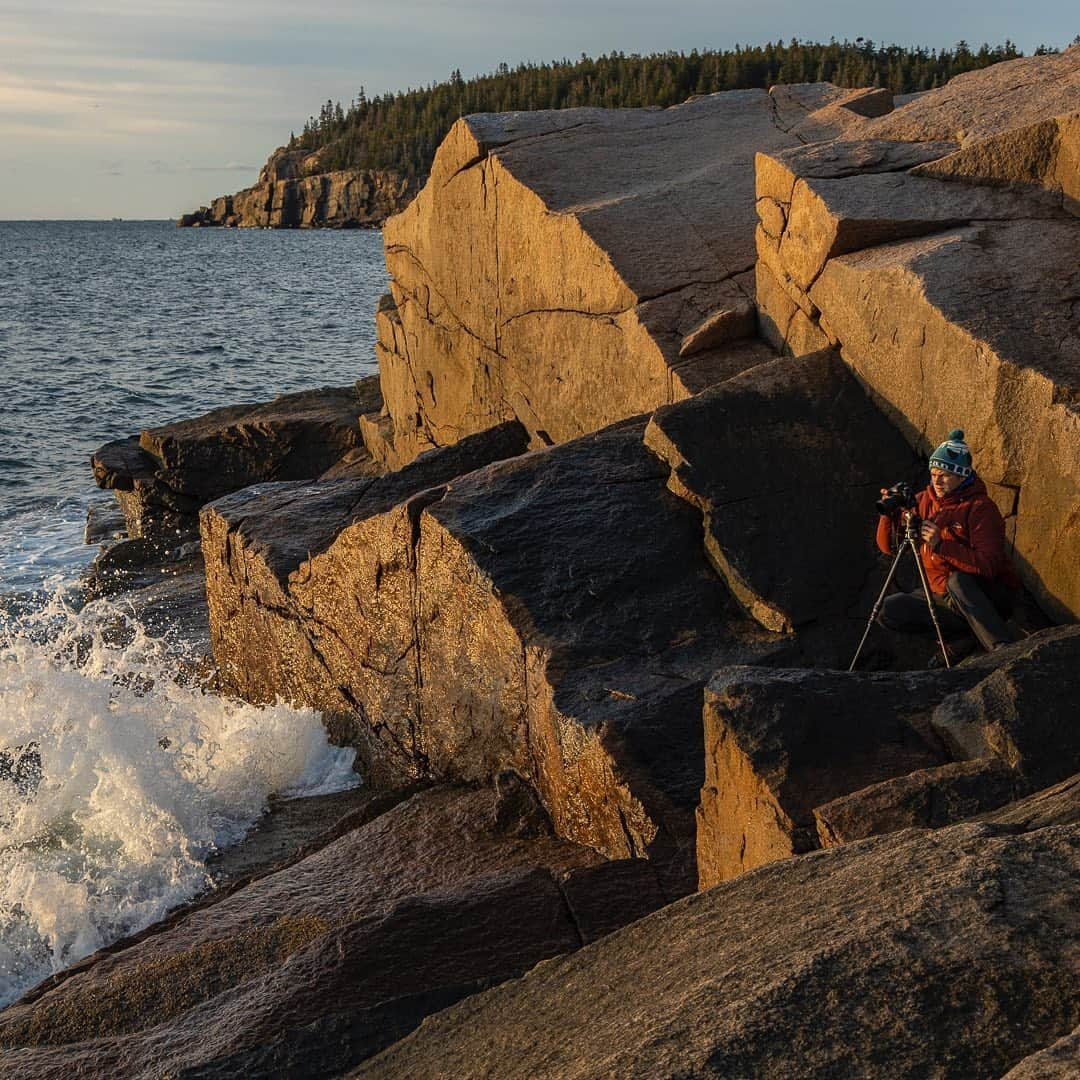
column 118, row 776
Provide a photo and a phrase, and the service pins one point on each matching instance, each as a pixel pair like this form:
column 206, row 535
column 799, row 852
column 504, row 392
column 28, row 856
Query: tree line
column 401, row 131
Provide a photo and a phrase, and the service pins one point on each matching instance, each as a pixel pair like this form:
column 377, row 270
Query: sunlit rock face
column 574, row 268
column 312, row 594
column 553, row 615
column 936, row 248
column 294, row 191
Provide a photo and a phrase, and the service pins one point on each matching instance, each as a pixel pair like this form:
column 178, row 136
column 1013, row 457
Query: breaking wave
column 119, row 776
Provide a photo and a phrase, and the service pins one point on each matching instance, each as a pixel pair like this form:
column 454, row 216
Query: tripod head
column 912, row 526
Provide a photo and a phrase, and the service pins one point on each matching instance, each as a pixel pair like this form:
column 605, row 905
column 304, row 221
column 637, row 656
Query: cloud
column 184, row 92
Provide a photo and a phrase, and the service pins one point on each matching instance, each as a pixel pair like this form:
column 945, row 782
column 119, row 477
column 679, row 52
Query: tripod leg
column 929, row 601
column 877, row 607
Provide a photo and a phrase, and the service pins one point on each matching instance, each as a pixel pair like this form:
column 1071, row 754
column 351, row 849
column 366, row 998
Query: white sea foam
column 141, row 778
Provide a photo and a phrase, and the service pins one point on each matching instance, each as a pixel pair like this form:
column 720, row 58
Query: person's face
column 944, row 482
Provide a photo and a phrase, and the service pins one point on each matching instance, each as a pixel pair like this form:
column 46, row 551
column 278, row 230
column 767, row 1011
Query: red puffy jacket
column 972, row 536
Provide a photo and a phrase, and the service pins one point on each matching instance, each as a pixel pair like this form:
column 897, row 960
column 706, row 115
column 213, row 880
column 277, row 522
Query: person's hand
column 931, row 535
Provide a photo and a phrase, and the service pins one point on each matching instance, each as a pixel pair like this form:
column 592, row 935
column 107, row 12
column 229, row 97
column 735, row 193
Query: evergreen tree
column 401, row 131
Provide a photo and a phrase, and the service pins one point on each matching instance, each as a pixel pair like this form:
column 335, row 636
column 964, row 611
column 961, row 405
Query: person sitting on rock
column 972, row 580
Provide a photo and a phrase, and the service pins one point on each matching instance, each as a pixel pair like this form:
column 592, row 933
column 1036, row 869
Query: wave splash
column 119, row 777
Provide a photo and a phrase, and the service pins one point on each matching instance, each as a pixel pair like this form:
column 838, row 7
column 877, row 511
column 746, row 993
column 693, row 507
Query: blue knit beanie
column 953, row 455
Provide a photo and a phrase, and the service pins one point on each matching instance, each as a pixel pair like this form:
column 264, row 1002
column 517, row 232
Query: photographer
column 971, row 578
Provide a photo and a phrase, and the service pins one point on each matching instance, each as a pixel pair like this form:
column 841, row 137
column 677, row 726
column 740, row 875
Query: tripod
column 910, row 542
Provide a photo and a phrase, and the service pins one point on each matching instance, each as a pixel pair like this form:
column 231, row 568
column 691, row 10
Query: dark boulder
column 313, row 967
column 779, row 743
column 164, row 475
column 930, row 798
column 950, row 953
column 799, row 758
column 785, row 462
column 1024, row 713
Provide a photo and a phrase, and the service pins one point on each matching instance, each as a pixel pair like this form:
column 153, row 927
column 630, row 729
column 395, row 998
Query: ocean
column 106, row 328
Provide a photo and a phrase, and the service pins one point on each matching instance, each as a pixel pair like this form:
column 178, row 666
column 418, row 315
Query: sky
column 149, row 108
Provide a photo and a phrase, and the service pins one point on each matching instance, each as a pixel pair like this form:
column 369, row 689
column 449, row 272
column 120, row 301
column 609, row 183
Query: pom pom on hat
column 953, row 455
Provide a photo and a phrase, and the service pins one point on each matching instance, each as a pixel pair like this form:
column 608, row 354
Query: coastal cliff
column 293, row 192
column 580, row 580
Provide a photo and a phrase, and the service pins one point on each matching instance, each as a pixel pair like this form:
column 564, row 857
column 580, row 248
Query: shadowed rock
column 567, row 621
column 1023, row 713
column 796, row 759
column 104, row 522
column 313, row 967
column 1043, row 810
column 853, row 956
column 163, row 476
column 773, row 459
column 293, row 437
column 552, row 615
column 928, row 798
column 117, row 465
column 778, row 744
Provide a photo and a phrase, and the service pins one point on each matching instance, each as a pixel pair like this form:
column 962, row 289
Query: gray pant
column 971, row 603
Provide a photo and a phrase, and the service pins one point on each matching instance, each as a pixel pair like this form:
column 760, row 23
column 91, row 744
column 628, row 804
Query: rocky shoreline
column 579, row 575
column 293, row 192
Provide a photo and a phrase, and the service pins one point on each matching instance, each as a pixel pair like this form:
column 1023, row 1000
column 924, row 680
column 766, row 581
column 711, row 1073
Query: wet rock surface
column 164, row 475
column 294, row 437
column 310, row 969
column 951, row 952
column 552, row 614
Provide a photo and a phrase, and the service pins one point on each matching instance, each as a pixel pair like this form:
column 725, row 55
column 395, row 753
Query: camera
column 898, row 497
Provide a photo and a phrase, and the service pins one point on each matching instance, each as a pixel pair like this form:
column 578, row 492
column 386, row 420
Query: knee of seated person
column 960, row 584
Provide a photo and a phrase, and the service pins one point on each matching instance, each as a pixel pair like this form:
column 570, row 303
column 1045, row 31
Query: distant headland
column 355, row 167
